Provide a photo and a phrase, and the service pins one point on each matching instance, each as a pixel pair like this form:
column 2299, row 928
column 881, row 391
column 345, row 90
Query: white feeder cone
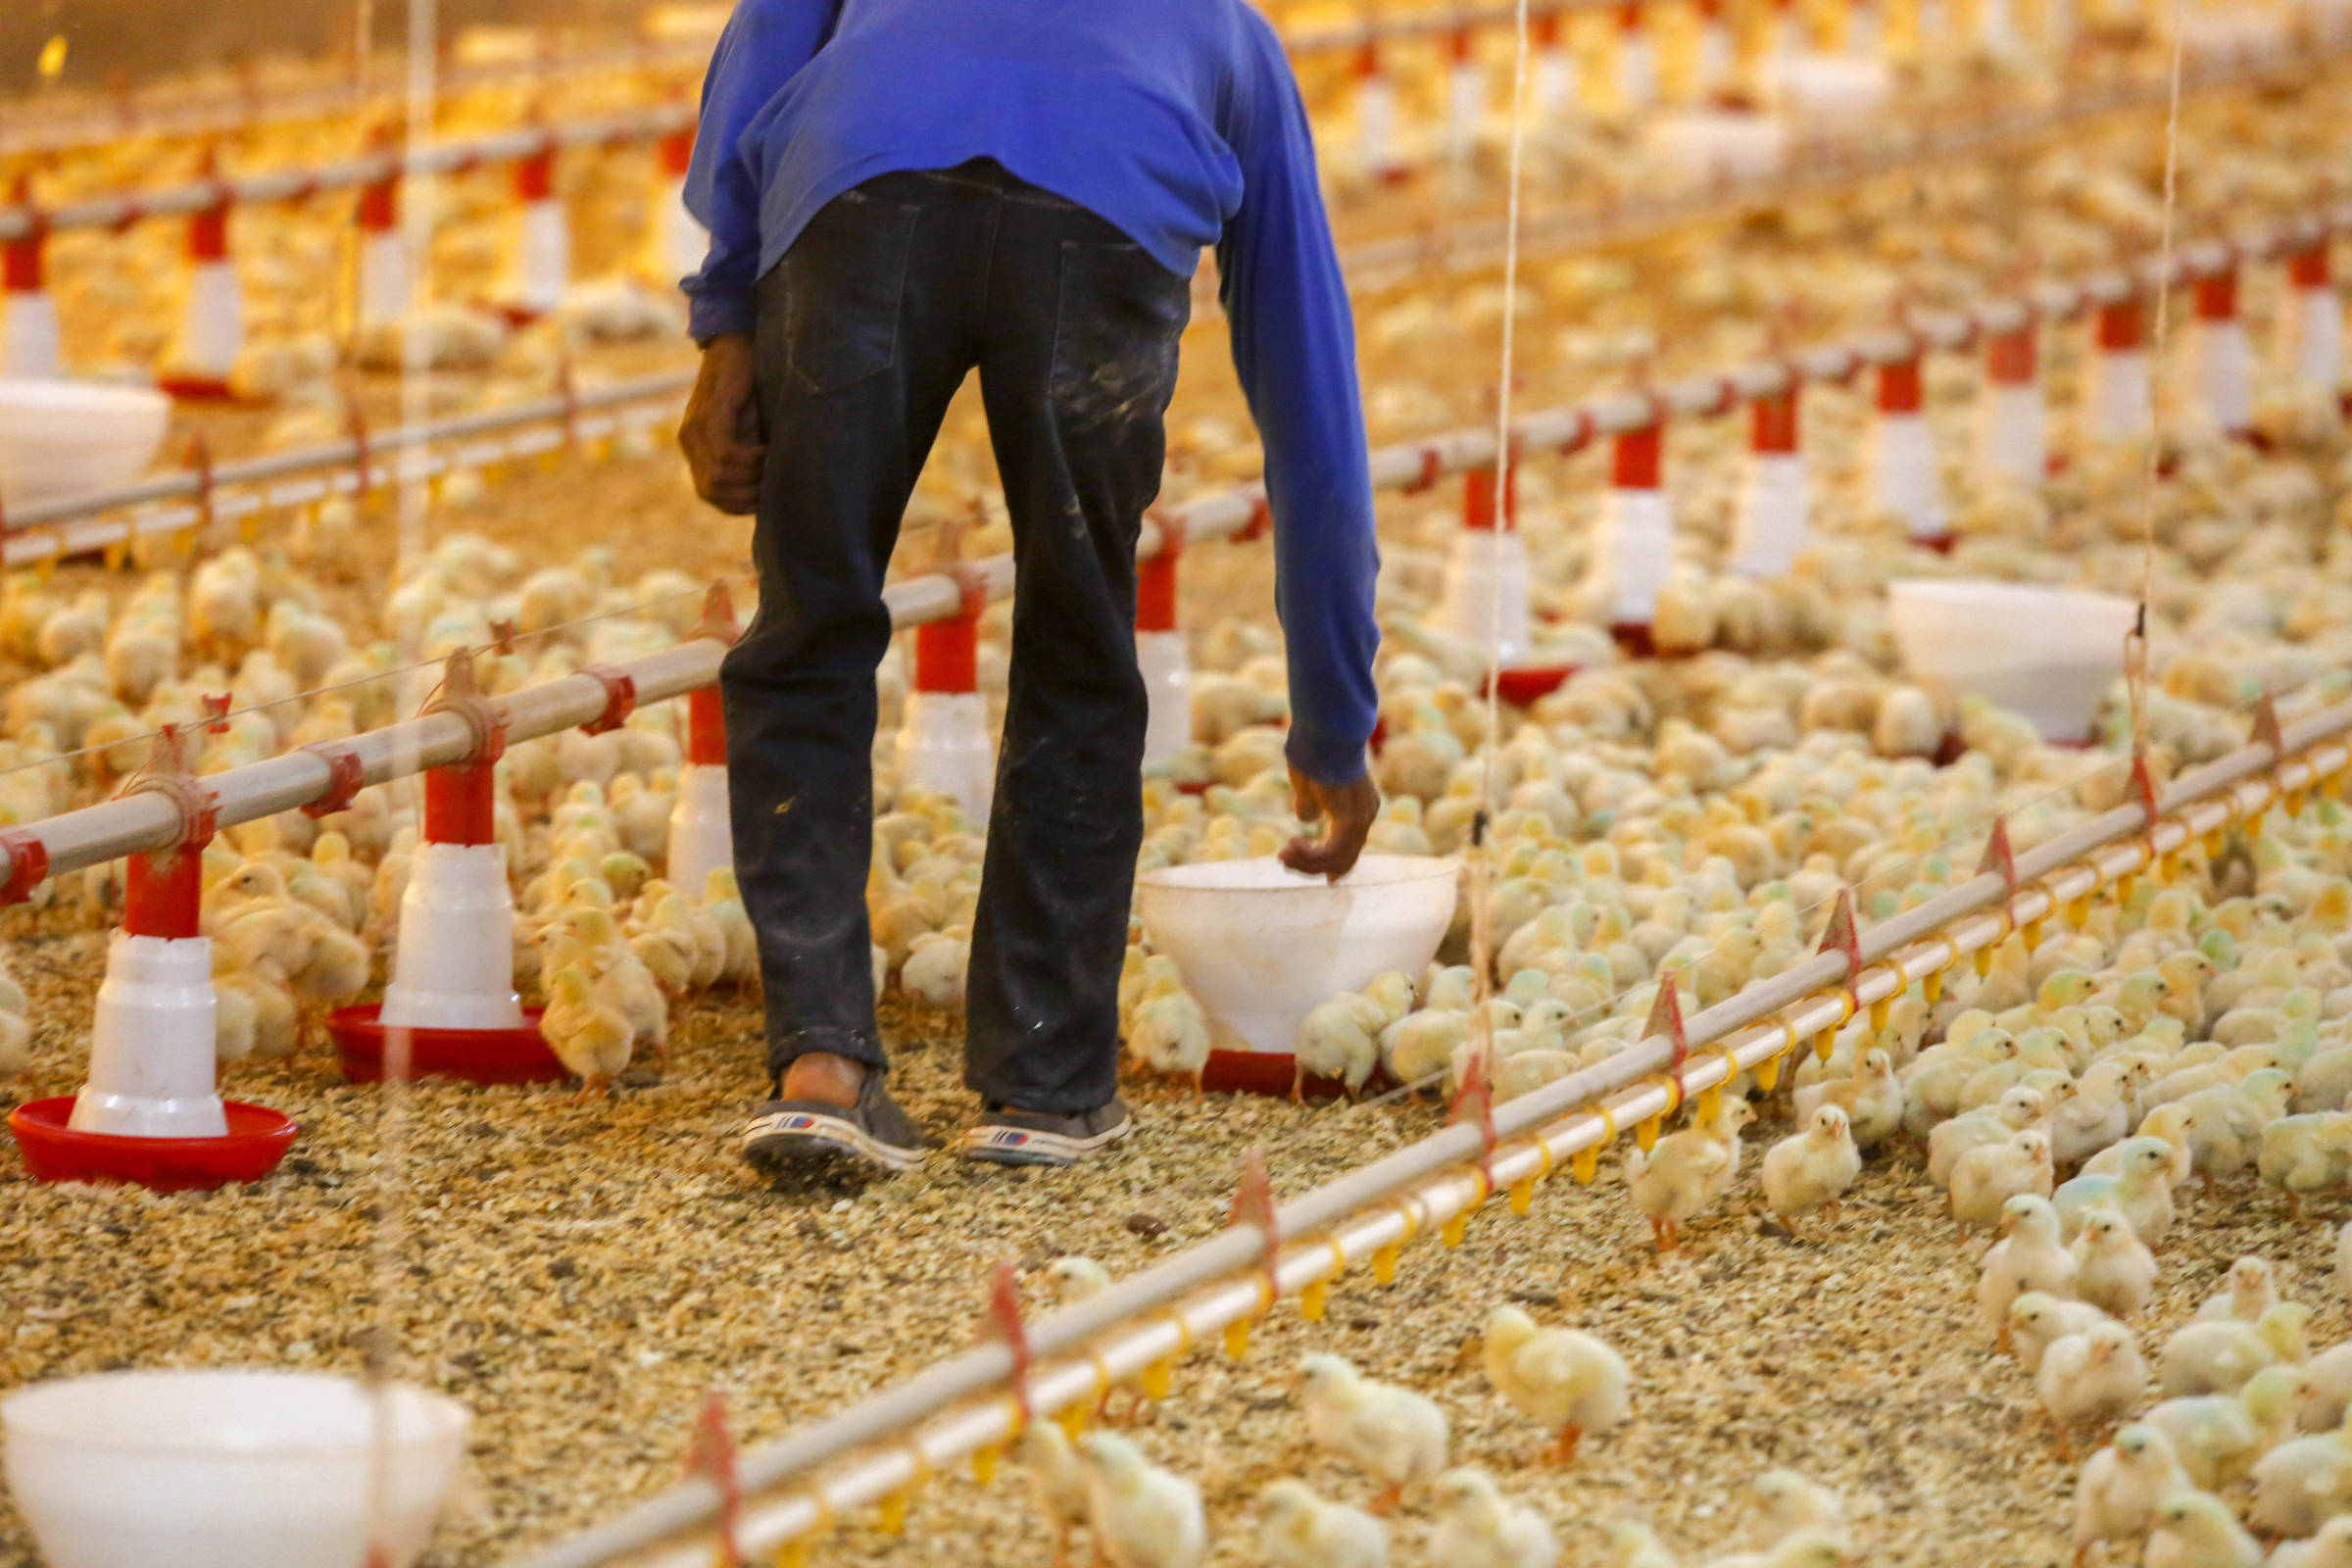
column 1167, row 669
column 455, row 965
column 543, row 257
column 1465, row 107
column 215, row 332
column 1551, row 84
column 2012, row 434
column 383, row 277
column 152, row 1046
column 1376, row 126
column 2225, row 374
column 1486, row 593
column 1773, row 519
column 29, row 337
column 1637, row 70
column 701, row 837
column 1903, row 475
column 684, row 242
column 1716, row 56
column 944, row 747
column 2313, row 326
column 1634, row 555
column 2118, row 395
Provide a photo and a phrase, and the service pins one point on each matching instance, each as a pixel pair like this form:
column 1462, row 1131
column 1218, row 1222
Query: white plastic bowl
column 66, row 438
column 222, row 1469
column 1260, row 945
column 2048, row 654
column 1841, row 90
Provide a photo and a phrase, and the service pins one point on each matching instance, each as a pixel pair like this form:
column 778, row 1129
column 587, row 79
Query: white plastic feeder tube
column 1551, row 85
column 1637, row 63
column 2120, row 394
column 2012, row 433
column 454, row 968
column 383, row 254
column 1375, row 118
column 1465, row 102
column 944, row 744
column 29, row 336
column 215, row 332
column 543, row 251
column 680, row 241
column 2313, row 321
column 701, row 834
column 1636, row 553
column 2224, row 359
column 1775, row 516
column 1485, row 596
column 1160, row 652
column 152, row 1039
column 1903, row 475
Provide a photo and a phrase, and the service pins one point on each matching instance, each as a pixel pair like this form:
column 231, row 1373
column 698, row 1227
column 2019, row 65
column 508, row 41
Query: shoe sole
column 797, row 1140
column 1026, row 1146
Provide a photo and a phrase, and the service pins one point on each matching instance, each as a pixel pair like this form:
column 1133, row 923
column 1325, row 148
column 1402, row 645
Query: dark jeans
column 866, row 328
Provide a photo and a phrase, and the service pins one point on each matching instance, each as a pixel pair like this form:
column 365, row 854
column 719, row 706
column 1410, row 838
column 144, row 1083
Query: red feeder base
column 1633, row 639
column 1527, row 684
column 258, row 1139
column 1197, row 787
column 1262, row 1072
column 1941, row 544
column 202, row 389
column 477, row 1055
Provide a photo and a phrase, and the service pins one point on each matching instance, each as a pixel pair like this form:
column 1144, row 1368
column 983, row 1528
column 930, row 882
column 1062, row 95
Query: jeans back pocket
column 845, row 279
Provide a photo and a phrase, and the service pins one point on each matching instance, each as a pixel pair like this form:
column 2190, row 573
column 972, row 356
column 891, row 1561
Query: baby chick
column 2029, row 1256
column 2038, row 1321
column 2220, row 1357
column 2143, row 1191
column 2302, row 1482
column 1987, row 1177
column 1791, row 1504
column 1478, row 1527
column 2218, row 1436
column 1141, row 1517
column 2331, row 1548
column 1562, row 1379
column 1394, row 1435
column 2250, row 1290
column 590, row 1039
column 2197, row 1530
column 1871, row 1098
column 1057, row 1481
column 2121, row 1486
column 2090, row 1380
column 2115, row 1271
column 1811, row 1169
column 1302, row 1531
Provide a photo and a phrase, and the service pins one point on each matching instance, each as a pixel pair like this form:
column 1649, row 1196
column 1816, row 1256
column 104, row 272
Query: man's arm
column 766, row 43
column 1293, row 348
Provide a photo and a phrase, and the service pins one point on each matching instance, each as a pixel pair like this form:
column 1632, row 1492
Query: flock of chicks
column 1140, row 1515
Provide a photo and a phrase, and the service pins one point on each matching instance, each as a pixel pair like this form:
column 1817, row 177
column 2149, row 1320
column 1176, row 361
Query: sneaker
column 1007, row 1137
column 805, row 1134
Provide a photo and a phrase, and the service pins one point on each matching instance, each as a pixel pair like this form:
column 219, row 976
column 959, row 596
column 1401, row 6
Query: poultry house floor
column 581, row 1273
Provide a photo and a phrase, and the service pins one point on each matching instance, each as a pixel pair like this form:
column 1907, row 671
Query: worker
column 902, row 191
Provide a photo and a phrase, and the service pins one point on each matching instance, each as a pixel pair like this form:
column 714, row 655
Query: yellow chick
column 1394, row 1435
column 1562, row 1379
column 592, row 1040
column 2122, row 1487
column 1300, row 1530
column 1478, row 1527
column 2090, row 1380
column 1811, row 1169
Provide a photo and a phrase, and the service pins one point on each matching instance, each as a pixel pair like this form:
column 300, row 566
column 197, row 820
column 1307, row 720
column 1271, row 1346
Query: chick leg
column 2294, row 1206
column 2066, row 1441
column 1062, row 1546
column 1298, row 1082
column 1829, row 1209
column 589, row 1085
column 1563, row 1452
column 1199, row 1083
column 1662, row 1232
column 1391, row 1495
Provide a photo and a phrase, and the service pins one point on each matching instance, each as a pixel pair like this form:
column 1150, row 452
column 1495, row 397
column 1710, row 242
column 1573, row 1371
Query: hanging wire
column 2135, row 646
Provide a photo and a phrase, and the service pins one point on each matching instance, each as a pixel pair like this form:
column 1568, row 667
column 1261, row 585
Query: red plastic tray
column 477, row 1055
column 1262, row 1072
column 1527, row 684
column 258, row 1139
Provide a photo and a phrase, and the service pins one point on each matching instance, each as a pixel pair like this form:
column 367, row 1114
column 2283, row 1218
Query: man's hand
column 1349, row 809
column 720, row 433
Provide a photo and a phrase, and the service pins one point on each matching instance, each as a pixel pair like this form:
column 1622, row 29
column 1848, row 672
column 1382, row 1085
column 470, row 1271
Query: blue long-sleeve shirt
column 1177, row 120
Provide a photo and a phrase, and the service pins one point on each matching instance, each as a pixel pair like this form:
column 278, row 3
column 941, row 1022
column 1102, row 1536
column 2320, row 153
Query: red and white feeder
column 1160, row 651
column 2312, row 326
column 1714, row 60
column 213, row 327
column 1905, row 479
column 680, row 242
column 702, row 835
column 1637, row 62
column 383, row 252
column 2011, row 431
column 2120, row 398
column 2224, row 359
column 1376, row 151
column 1634, row 553
column 943, row 745
column 1774, row 522
column 450, row 1004
column 543, row 242
column 151, row 1111
column 1466, row 98
column 1552, row 81
column 28, row 335
column 1486, row 600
